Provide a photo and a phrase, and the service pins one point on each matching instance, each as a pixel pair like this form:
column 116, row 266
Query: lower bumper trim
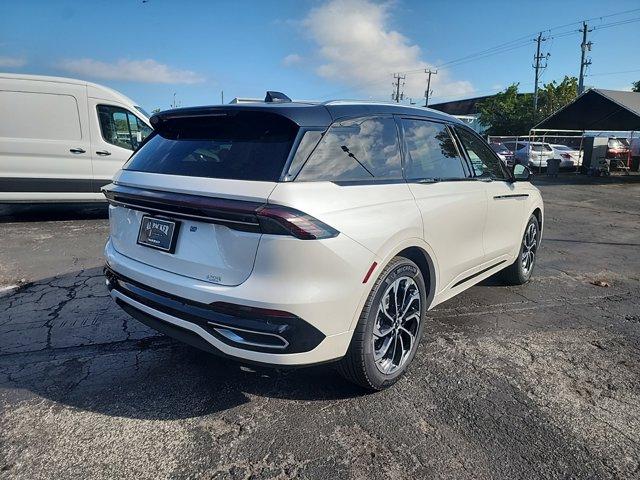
column 259, row 334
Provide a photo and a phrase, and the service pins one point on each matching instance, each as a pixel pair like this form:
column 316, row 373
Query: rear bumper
column 317, row 331
column 256, row 331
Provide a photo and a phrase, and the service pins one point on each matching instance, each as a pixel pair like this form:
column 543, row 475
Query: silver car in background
column 532, row 154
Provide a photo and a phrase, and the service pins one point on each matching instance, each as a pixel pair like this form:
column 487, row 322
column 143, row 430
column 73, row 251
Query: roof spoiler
column 276, row 97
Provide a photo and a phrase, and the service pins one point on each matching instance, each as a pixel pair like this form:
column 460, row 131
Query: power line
column 525, row 40
column 615, row 24
column 612, row 73
column 508, row 46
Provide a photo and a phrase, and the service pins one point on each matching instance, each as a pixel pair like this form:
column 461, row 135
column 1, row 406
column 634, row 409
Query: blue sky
column 316, row 49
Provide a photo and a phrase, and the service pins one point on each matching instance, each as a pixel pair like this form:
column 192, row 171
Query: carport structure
column 595, row 110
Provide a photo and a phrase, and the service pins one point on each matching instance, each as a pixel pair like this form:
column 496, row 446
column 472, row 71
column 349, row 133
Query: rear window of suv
column 234, row 145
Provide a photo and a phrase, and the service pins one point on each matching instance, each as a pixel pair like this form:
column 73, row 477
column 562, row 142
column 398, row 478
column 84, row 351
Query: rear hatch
column 186, row 202
column 540, row 152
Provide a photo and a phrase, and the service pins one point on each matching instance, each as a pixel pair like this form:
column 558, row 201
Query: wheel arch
column 538, row 214
column 424, row 262
column 418, row 251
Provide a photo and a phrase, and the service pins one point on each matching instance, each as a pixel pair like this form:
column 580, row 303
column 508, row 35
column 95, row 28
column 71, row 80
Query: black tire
column 359, row 365
column 517, row 273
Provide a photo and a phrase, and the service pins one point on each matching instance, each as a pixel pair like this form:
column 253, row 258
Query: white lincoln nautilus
column 289, row 233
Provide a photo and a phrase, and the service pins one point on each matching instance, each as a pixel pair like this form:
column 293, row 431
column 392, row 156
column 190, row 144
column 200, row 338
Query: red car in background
column 504, row 153
column 618, row 153
column 618, row 148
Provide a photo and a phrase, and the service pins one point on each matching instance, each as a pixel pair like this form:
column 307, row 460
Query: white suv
column 287, row 233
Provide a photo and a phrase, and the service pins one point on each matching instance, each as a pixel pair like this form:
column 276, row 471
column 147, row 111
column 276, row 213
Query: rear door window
column 233, row 145
column 362, row 149
column 431, row 152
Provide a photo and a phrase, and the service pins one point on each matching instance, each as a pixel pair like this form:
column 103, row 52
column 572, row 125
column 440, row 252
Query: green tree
column 635, row 86
column 554, row 96
column 508, row 112
column 511, row 112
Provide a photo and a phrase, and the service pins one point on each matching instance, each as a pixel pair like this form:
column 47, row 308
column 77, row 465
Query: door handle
column 104, row 153
column 77, row 150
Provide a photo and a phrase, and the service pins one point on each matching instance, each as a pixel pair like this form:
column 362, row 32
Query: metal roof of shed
column 597, row 109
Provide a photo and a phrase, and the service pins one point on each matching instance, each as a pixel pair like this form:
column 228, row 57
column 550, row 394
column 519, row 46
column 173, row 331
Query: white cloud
column 359, row 49
column 143, row 71
column 12, row 62
column 291, row 59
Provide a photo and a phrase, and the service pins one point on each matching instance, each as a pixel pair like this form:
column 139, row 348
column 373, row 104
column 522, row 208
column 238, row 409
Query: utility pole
column 584, row 46
column 427, row 92
column 538, row 66
column 222, row 97
column 396, row 96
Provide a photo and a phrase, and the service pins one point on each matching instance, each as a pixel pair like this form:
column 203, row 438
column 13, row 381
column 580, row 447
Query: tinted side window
column 305, row 147
column 121, row 127
column 352, row 150
column 484, row 161
column 431, row 152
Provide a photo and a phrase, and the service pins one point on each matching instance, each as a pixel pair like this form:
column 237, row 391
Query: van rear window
column 234, row 145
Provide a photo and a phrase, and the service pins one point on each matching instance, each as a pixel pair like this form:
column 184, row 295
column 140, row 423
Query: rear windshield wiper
column 346, row 150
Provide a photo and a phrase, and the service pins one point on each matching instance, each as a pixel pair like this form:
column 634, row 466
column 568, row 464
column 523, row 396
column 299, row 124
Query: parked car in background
column 295, row 233
column 617, row 153
column 635, row 154
column 63, row 139
column 503, row 152
column 569, row 157
column 531, row 154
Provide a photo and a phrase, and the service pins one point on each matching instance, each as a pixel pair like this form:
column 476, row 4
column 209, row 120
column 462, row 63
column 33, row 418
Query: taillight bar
column 277, row 219
column 236, row 214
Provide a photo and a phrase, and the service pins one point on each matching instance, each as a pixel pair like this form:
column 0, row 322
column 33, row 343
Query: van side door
column 116, row 134
column 453, row 205
column 44, row 141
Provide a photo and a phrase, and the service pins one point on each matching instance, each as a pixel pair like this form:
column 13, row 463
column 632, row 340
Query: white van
column 63, row 139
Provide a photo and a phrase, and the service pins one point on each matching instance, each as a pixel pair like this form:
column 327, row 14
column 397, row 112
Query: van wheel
column 519, row 272
column 389, row 329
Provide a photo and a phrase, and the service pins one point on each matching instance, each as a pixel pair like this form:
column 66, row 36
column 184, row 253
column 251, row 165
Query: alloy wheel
column 529, row 247
column 397, row 325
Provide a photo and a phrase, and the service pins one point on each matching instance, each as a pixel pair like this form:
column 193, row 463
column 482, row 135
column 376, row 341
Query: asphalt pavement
column 536, row 381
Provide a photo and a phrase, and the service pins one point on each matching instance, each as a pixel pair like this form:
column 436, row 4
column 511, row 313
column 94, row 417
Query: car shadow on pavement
column 45, row 212
column 575, row 178
column 65, row 340
column 165, row 380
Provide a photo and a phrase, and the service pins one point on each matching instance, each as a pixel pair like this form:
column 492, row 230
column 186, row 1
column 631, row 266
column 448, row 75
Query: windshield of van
column 142, row 111
column 238, row 145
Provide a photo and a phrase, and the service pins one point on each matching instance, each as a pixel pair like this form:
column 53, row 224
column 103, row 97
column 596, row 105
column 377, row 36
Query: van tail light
column 279, row 220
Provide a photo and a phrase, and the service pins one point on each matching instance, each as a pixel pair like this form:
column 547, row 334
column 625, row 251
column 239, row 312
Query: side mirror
column 521, row 172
